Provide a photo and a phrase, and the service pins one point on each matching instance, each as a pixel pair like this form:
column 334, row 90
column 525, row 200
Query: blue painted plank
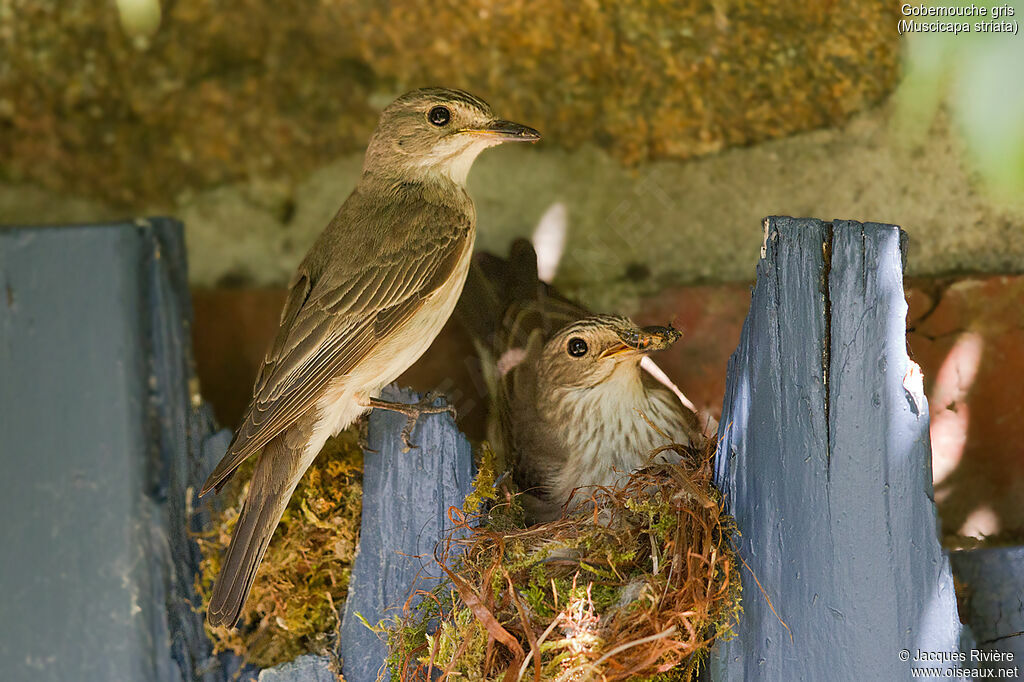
column 100, row 445
column 303, row 669
column 993, row 586
column 824, row 460
column 406, row 496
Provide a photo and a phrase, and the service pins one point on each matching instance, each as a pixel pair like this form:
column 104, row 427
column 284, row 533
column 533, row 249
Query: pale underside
column 605, row 429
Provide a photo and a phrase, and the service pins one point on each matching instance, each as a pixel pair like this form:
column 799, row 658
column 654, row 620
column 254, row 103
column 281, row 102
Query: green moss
column 304, row 576
column 536, row 598
column 483, row 485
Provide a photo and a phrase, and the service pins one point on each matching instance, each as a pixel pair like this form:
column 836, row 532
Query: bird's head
column 594, row 349
column 437, row 132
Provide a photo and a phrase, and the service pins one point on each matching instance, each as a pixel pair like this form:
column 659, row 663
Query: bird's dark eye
column 577, row 347
column 439, row 116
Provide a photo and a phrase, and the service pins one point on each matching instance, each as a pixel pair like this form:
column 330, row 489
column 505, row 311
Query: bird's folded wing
column 328, row 328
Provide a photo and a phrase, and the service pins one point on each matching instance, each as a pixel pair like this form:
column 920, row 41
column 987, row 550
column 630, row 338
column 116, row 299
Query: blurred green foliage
column 979, row 76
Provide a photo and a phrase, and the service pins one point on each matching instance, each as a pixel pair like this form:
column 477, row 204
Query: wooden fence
column 824, row 461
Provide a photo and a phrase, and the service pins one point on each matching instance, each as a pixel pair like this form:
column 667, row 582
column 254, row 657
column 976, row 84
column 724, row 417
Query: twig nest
column 636, row 582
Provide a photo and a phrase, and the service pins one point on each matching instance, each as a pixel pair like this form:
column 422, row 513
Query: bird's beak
column 505, row 131
column 643, row 341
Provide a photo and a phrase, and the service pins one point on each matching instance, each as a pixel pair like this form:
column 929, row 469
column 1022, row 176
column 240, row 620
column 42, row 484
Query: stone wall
column 670, row 128
column 226, row 91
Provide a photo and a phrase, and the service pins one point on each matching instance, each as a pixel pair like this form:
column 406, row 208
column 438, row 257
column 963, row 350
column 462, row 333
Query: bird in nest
column 571, row 405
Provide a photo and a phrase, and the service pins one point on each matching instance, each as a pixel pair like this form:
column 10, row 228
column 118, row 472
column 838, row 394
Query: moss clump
column 634, row 586
column 483, row 484
column 303, row 580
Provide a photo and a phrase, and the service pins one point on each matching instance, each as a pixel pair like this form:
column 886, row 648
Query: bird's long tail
column 273, row 481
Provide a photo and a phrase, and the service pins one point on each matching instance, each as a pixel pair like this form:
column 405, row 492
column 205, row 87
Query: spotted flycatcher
column 366, row 302
column 571, row 405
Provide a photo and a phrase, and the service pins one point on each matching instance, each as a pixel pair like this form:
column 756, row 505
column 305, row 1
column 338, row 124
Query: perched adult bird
column 571, row 405
column 366, row 302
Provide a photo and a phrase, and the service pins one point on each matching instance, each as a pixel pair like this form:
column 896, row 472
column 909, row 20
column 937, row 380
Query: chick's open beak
column 506, row 131
column 642, row 341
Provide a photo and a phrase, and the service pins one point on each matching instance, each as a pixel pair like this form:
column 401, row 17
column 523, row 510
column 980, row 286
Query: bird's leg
column 412, row 413
column 364, row 436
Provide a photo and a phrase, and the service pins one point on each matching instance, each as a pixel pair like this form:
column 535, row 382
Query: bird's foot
column 412, row 412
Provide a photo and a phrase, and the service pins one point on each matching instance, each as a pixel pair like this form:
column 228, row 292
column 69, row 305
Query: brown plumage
column 570, row 402
column 366, row 302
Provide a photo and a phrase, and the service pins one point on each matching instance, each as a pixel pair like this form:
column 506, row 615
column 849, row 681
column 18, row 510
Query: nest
column 636, row 583
column 303, row 579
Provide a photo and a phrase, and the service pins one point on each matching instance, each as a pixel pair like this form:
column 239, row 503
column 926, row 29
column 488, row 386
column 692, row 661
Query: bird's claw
column 412, row 413
column 410, row 424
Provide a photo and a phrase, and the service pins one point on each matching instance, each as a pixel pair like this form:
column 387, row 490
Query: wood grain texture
column 308, row 668
column 824, row 461
column 993, row 587
column 406, row 496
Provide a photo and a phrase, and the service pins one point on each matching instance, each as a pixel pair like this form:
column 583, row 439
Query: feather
column 332, row 320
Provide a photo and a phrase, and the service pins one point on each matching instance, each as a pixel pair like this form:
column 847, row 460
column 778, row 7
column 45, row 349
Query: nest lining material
column 303, row 580
column 634, row 585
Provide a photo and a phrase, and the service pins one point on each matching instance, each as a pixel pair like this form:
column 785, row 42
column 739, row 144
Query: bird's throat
column 613, row 399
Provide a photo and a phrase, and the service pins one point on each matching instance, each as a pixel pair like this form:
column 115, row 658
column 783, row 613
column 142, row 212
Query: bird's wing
column 505, row 301
column 509, row 312
column 516, row 407
column 328, row 327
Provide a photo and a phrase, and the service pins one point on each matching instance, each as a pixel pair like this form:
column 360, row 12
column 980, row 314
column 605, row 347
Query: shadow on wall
column 967, row 334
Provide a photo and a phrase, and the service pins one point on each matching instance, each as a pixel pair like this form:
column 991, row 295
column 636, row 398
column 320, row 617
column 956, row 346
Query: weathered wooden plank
column 406, row 496
column 824, row 461
column 303, row 669
column 100, row 444
column 993, row 585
